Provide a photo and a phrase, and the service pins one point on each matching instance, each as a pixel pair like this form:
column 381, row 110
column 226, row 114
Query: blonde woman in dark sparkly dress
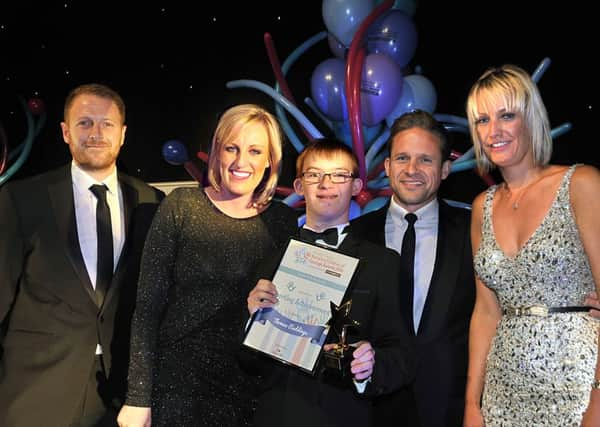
column 203, row 246
column 533, row 345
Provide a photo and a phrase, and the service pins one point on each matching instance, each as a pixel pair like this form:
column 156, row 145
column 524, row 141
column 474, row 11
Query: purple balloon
column 395, row 35
column 336, row 47
column 327, row 88
column 380, row 88
column 174, row 152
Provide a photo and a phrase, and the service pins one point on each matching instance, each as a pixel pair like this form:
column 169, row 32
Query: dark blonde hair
column 326, row 147
column 228, row 127
column 512, row 86
column 96, row 89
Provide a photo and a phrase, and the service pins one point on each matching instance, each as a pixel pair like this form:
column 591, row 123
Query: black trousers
column 96, row 410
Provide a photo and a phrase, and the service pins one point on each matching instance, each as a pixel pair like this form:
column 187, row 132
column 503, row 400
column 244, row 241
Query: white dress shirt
column 426, row 231
column 85, row 216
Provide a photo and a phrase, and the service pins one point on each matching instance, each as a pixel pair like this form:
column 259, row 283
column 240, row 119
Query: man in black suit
column 444, row 289
column 65, row 315
column 383, row 360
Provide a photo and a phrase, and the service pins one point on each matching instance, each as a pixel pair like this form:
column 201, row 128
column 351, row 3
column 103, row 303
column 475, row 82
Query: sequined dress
column 540, row 369
column 195, row 276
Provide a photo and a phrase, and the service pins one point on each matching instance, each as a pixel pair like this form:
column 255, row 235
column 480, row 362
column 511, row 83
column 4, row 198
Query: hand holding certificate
column 308, row 280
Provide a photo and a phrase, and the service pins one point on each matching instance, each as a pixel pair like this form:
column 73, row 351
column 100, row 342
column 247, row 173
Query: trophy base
column 337, row 365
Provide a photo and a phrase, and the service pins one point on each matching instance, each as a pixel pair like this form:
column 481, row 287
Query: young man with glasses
column 327, row 177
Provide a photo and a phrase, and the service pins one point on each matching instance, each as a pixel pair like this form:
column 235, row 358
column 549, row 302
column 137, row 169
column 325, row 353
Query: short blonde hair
column 228, row 127
column 512, row 86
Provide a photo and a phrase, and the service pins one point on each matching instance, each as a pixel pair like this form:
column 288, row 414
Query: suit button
column 101, row 319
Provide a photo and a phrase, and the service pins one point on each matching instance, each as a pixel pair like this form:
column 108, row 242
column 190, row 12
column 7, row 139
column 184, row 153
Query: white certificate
column 308, row 278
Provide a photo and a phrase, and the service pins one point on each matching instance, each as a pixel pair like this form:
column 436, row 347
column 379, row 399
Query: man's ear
column 65, row 132
column 298, row 187
column 446, row 169
column 357, row 185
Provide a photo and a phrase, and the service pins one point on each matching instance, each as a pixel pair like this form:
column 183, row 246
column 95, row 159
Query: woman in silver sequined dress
column 533, row 346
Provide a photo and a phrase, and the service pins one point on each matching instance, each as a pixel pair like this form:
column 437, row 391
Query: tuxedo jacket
column 436, row 397
column 51, row 321
column 293, row 398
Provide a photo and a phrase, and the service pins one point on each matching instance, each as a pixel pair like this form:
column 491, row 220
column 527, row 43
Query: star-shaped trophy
column 337, row 360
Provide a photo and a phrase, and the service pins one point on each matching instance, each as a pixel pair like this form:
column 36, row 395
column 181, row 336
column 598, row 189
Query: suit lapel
column 451, row 238
column 61, row 196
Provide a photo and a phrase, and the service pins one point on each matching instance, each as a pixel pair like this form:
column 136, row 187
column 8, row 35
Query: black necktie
column 407, row 257
column 104, row 269
column 329, row 236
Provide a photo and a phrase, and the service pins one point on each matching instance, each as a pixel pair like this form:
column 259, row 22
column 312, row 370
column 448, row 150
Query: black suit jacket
column 51, row 322
column 436, row 397
column 292, row 398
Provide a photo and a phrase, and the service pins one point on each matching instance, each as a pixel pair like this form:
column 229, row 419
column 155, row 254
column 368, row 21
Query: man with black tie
column 69, row 258
column 383, row 359
column 439, row 302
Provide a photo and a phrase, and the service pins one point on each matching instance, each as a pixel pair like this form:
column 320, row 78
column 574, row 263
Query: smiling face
column 94, row 131
column 243, row 160
column 415, row 168
column 327, row 204
column 503, row 135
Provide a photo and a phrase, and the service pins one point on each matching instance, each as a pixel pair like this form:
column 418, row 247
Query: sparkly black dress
column 196, row 273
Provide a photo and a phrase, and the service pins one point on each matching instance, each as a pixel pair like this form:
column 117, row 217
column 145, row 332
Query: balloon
column 363, row 197
column 354, row 210
column 425, row 96
column 174, row 152
column 560, row 130
column 287, row 64
column 540, row 70
column 32, row 132
column 336, row 47
column 343, row 133
column 381, row 86
column 327, row 88
column 407, row 6
column 343, row 17
column 459, row 166
column 395, row 35
column 418, row 93
column 405, row 103
column 282, row 100
column 375, row 204
column 36, row 106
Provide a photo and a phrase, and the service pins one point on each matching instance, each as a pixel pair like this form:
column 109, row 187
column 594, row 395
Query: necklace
column 515, row 204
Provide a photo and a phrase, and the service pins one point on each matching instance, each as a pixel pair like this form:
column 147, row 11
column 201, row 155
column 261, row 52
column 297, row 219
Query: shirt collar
column 82, row 181
column 429, row 212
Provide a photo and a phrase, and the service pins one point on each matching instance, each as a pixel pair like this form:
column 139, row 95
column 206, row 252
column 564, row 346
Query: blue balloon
column 342, row 18
column 174, row 152
column 327, row 88
column 424, row 93
column 337, row 47
column 343, row 133
column 373, row 205
column 407, row 6
column 405, row 103
column 418, row 93
column 354, row 210
column 395, row 35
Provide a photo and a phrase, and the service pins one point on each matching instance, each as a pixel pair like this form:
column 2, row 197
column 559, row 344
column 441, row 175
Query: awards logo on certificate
column 308, row 280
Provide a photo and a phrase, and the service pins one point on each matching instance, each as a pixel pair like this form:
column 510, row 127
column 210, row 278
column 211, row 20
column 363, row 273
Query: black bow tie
column 329, row 236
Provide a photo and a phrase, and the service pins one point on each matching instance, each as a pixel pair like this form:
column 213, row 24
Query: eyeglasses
column 315, row 177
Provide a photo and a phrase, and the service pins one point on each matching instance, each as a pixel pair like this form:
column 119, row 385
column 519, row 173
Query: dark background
column 171, row 62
